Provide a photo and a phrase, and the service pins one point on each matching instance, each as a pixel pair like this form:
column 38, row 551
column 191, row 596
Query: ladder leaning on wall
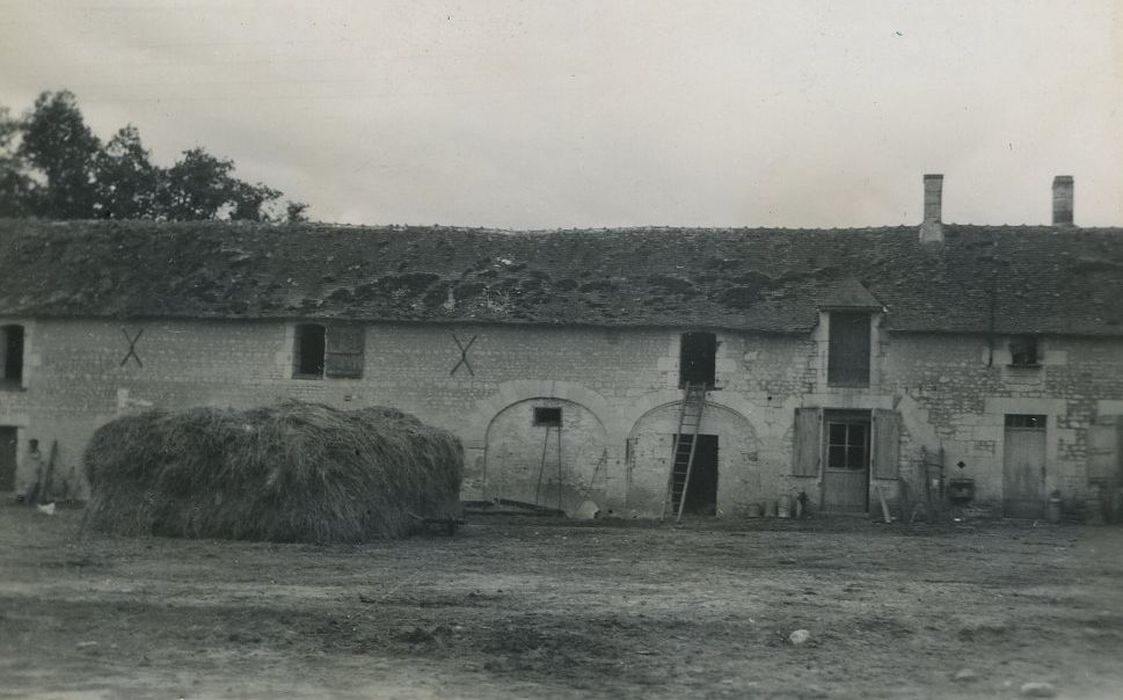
column 682, row 451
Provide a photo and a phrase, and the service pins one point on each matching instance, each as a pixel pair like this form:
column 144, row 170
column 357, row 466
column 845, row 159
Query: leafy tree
column 197, row 187
column 294, row 212
column 53, row 166
column 127, row 181
column 57, row 142
column 16, row 187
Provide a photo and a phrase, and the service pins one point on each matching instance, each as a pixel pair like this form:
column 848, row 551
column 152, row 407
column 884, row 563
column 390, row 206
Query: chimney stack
column 932, row 230
column 1062, row 200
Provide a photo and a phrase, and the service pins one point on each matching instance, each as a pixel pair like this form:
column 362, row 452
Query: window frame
column 341, row 351
column 300, row 330
column 14, row 380
column 539, row 411
column 842, row 370
column 1025, row 351
column 848, row 423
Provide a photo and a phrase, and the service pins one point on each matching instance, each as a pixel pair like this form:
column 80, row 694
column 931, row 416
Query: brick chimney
column 1062, row 200
column 932, row 230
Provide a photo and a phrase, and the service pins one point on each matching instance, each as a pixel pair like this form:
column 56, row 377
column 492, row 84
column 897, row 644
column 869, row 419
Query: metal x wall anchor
column 463, row 355
column 132, row 347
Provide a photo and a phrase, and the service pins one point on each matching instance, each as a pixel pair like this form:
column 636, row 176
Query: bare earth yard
column 536, row 609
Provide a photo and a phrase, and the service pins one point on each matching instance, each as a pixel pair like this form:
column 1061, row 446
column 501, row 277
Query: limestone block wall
column 618, row 390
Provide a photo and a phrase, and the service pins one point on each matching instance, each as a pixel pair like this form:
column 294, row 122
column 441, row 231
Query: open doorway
column 697, row 359
column 701, row 494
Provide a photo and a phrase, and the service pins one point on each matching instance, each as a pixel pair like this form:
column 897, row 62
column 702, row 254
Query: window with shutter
column 345, row 351
column 887, row 444
column 808, row 446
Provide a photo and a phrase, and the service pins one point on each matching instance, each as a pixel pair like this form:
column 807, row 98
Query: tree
column 57, row 142
column 294, row 212
column 127, row 181
column 53, row 166
column 197, row 187
column 16, row 187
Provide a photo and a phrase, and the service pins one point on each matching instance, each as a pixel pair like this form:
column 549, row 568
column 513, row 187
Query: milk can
column 784, row 509
column 1054, row 508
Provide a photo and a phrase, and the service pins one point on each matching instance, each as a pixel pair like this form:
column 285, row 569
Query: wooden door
column 7, row 459
column 697, row 359
column 1023, row 473
column 846, row 473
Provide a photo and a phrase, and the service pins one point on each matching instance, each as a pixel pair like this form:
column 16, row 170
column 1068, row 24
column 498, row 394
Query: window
column 335, row 351
column 308, row 352
column 849, row 439
column 1017, row 420
column 848, row 358
column 1023, row 351
column 11, row 354
column 550, row 417
column 848, row 445
column 697, row 359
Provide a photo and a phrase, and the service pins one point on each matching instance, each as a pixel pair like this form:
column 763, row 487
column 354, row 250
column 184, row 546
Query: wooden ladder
column 685, row 444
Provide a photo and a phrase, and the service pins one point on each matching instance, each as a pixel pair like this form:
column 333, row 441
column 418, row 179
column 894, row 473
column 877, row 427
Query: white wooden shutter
column 886, row 444
column 808, row 445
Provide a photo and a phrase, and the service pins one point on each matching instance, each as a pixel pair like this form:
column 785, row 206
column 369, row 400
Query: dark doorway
column 7, row 459
column 701, row 494
column 696, row 359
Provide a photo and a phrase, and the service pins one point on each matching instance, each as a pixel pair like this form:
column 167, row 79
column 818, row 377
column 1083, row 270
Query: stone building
column 834, row 363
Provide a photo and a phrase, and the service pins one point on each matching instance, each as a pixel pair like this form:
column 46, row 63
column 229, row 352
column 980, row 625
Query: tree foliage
column 54, row 167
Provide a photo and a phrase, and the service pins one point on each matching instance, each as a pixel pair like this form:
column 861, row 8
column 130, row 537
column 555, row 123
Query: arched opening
column 725, row 457
column 547, row 452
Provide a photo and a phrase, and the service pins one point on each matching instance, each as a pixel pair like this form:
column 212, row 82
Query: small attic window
column 11, row 355
column 1023, row 351
column 547, row 416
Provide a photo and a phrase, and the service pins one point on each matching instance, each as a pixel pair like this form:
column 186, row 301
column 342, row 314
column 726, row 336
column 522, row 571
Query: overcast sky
column 560, row 113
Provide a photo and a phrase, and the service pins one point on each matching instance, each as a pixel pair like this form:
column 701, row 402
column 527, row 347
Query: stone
column 799, row 637
column 1038, row 689
column 965, row 675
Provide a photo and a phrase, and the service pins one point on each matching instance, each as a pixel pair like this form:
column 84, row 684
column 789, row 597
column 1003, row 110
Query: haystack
column 293, row 472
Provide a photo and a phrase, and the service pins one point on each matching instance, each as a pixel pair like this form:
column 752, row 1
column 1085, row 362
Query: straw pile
column 293, row 472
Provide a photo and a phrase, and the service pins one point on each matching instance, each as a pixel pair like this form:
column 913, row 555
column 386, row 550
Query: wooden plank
column 886, row 444
column 807, row 446
column 1104, row 458
column 344, row 352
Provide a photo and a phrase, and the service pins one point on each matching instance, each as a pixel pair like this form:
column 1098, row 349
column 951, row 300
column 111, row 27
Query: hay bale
column 293, row 472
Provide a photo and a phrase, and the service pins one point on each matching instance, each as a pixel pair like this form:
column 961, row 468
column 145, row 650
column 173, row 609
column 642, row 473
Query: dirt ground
column 545, row 609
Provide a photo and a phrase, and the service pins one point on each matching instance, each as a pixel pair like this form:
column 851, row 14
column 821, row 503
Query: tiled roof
column 1028, row 279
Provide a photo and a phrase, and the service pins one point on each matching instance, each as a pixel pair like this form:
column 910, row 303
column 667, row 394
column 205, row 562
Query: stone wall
column 618, row 390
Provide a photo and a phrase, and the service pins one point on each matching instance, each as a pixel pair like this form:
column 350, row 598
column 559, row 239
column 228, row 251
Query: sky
column 528, row 114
